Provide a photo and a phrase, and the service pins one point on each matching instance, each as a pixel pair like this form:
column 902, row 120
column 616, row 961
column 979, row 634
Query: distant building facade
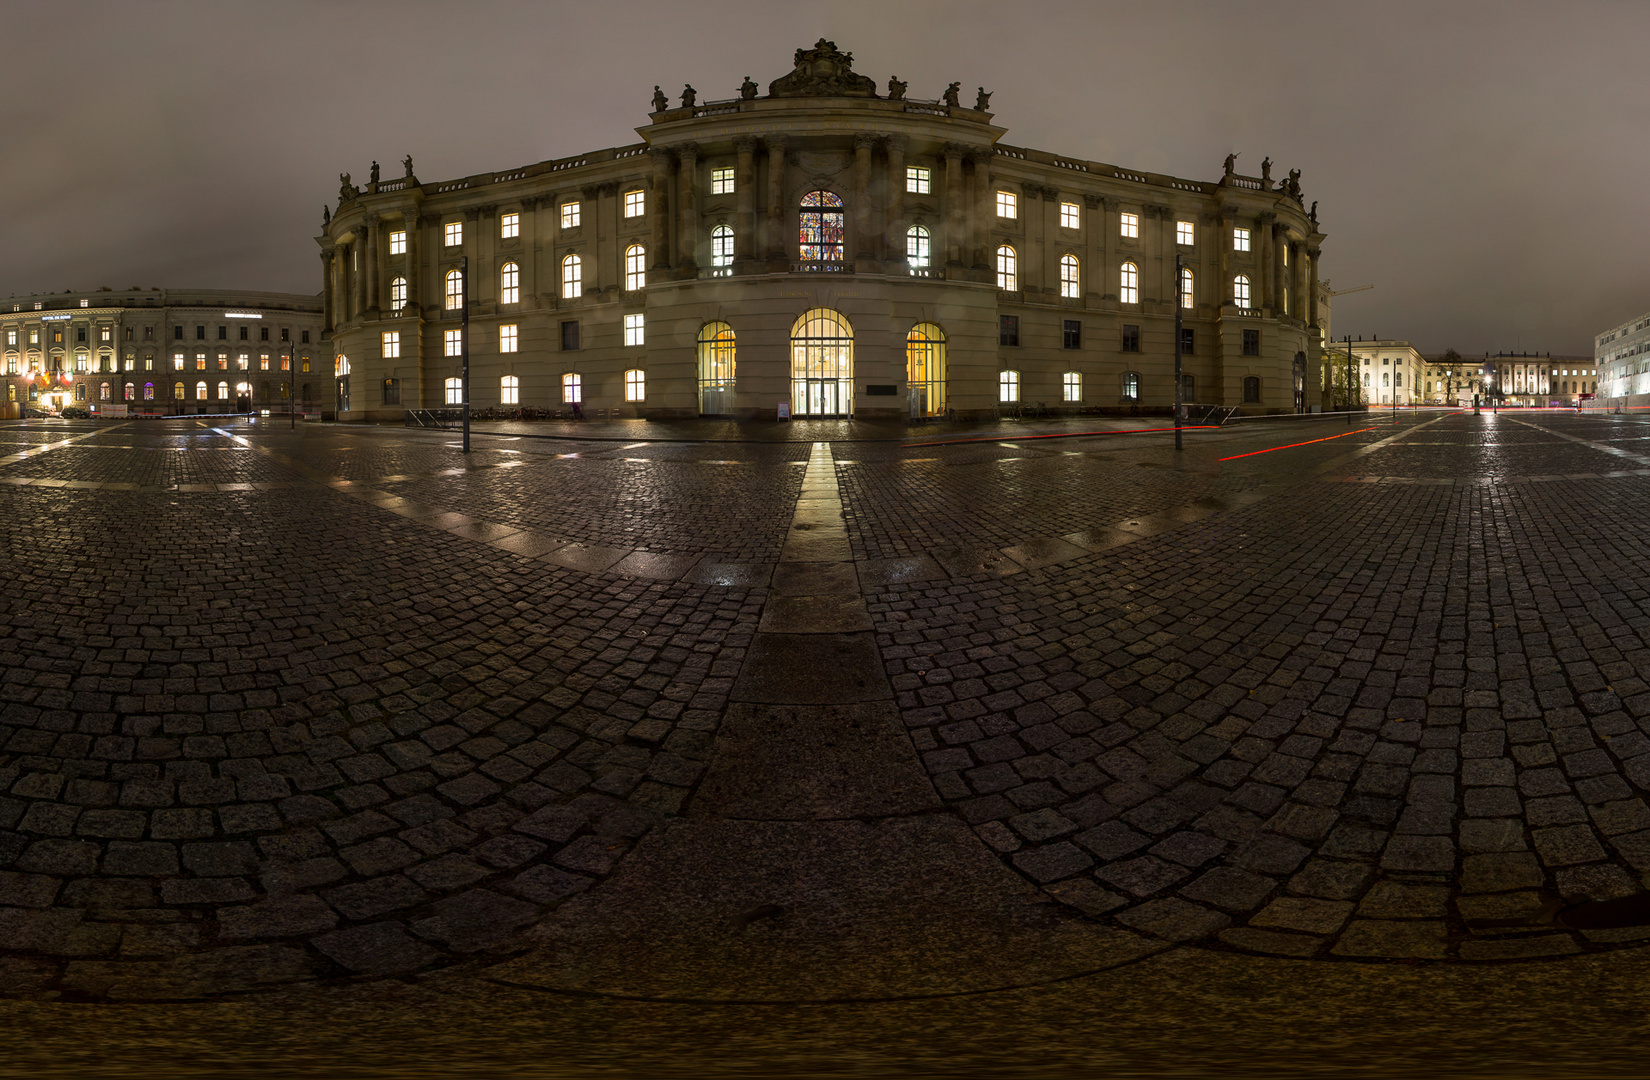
column 1391, row 372
column 1621, row 355
column 830, row 248
column 162, row 350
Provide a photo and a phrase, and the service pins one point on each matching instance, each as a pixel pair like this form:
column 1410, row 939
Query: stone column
column 1297, row 280
column 1048, row 239
column 358, row 271
column 1263, row 247
column 983, row 212
column 326, row 292
column 1312, row 290
column 1280, row 279
column 530, row 246
column 659, row 210
column 893, row 236
column 1110, row 223
column 410, row 222
column 1223, row 223
column 374, row 278
column 956, row 245
column 744, row 179
column 864, row 241
column 777, row 247
column 686, row 185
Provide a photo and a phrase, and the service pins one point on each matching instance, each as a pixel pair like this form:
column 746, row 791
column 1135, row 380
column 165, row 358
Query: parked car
column 75, row 412
column 32, row 412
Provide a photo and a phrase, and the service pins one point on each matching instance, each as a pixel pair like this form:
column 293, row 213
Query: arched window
column 820, row 227
column 200, row 391
column 1008, row 386
column 635, row 385
column 509, row 390
column 721, row 248
column 148, row 391
column 1008, row 274
column 822, row 364
column 103, row 392
column 177, row 391
column 572, row 389
column 1131, row 386
column 223, row 391
column 1185, row 288
column 1240, row 291
column 509, row 284
column 243, row 389
column 925, row 370
column 635, row 268
column 398, row 294
column 1071, row 387
column 1386, row 378
column 1251, row 388
column 1128, row 284
column 130, row 392
column 455, row 391
column 1070, row 286
column 917, row 247
column 455, row 290
column 716, row 369
column 341, row 365
column 572, row 277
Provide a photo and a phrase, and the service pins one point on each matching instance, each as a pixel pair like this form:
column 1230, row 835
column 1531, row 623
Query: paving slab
column 812, row 669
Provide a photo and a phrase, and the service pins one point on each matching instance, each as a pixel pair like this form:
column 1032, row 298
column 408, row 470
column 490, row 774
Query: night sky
column 1482, row 164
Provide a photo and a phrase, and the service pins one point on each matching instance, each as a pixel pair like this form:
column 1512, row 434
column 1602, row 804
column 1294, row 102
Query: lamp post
column 464, row 343
column 1179, row 385
column 292, row 386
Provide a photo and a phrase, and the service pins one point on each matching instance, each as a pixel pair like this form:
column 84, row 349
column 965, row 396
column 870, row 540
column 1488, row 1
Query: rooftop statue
column 689, row 96
column 406, row 163
column 747, row 89
column 1231, row 162
column 660, row 102
column 346, row 190
column 326, row 215
column 1314, row 212
column 1266, row 172
column 952, row 94
column 823, row 71
column 375, row 172
column 982, row 101
column 896, row 89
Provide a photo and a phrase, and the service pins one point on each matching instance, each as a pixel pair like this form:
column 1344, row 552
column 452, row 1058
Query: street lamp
column 1179, row 264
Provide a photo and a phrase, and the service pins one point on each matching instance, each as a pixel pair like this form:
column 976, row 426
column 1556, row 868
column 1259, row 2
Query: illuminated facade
column 1621, row 356
column 1389, row 372
column 164, row 351
column 832, row 248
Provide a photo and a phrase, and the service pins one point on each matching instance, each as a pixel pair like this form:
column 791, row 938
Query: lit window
column 1069, row 285
column 200, row 391
column 85, row 303
column 223, row 361
column 241, row 362
column 1128, row 284
column 569, row 215
column 509, row 338
column 177, row 361
column 635, row 385
column 1185, row 288
column 398, row 294
column 572, row 277
column 392, row 346
column 105, row 333
column 1071, row 386
column 509, row 390
column 453, row 340
column 509, row 284
column 633, row 331
column 455, row 233
column 721, row 181
column 455, row 290
column 509, row 226
column 200, row 361
column 917, row 246
column 177, row 390
column 635, row 203
column 1008, row 386
column 1130, row 225
column 1240, row 239
column 398, row 243
column 1008, row 277
column 263, row 361
column 572, row 389
column 11, row 337
column 1008, row 205
column 635, row 268
column 1131, row 386
column 820, row 227
column 1240, row 291
column 103, row 392
column 1069, row 217
column 1184, row 233
column 148, row 391
column 916, row 180
column 721, row 246
column 455, row 391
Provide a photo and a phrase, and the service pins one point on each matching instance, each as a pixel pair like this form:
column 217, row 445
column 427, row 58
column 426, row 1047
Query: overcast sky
column 1481, row 164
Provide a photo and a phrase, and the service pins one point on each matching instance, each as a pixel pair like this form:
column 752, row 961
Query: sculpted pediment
column 823, row 71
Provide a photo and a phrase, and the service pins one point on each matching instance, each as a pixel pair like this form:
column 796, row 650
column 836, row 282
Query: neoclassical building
column 832, row 248
column 163, row 351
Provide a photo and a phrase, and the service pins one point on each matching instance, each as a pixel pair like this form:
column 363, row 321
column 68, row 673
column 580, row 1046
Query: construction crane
column 1343, row 292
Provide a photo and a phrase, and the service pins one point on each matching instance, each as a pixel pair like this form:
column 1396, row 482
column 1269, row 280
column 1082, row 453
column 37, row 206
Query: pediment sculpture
column 823, row 71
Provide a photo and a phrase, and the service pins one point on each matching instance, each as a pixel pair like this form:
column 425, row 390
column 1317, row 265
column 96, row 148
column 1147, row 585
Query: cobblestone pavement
column 279, row 707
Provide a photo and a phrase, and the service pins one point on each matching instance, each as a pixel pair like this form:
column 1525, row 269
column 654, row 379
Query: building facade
column 1391, row 372
column 163, row 351
column 1621, row 355
column 829, row 249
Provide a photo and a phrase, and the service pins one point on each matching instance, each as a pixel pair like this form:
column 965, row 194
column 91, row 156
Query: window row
column 242, row 362
column 572, row 389
column 1128, row 282
column 1071, row 336
column 1071, row 387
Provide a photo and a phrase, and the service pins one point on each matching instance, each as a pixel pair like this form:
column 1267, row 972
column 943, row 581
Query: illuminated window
column 635, row 385
column 398, row 294
column 1069, row 217
column 105, row 333
column 569, row 215
column 1008, row 386
column 1128, row 284
column 635, row 268
column 820, row 229
column 635, row 203
column 453, row 342
column 177, row 361
column 398, row 243
column 1070, row 287
column 200, row 361
column 286, row 363
column 916, row 180
column 1185, row 233
column 455, row 391
column 633, row 330
column 11, row 337
column 509, row 284
column 1129, row 225
column 103, row 392
column 1008, row 276
column 455, row 290
column 392, row 346
column 129, row 392
column 149, row 391
column 721, row 247
column 1071, row 386
column 572, row 277
column 508, row 338
column 572, row 389
column 509, row 390
column 1185, row 288
column 241, row 362
column 1240, row 239
column 200, row 391
column 509, row 226
column 721, row 181
column 1131, row 386
column 223, row 361
column 263, row 361
column 1008, row 205
column 177, row 390
column 455, row 233
column 1240, row 291
column 917, row 246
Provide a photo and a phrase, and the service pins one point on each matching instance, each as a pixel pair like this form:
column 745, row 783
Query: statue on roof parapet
column 953, row 95
column 374, row 172
column 326, row 215
column 982, row 101
column 747, row 90
column 689, row 96
column 406, row 163
column 823, row 71
column 660, row 102
column 896, row 89
column 1231, row 163
column 1266, row 173
column 1313, row 214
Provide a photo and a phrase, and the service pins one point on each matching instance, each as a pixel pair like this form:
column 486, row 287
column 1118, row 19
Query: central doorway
column 822, row 364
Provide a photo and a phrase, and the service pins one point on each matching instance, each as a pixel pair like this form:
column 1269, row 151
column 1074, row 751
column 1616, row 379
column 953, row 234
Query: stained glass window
column 820, row 235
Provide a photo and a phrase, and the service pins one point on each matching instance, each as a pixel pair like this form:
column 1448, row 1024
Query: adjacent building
column 163, row 351
column 1391, row 372
column 1621, row 356
column 829, row 248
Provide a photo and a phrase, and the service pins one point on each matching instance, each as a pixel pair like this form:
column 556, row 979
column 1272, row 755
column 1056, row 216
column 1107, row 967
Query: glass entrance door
column 822, row 364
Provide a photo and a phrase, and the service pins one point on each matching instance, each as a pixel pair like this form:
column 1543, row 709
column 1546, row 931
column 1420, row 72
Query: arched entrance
column 925, row 370
column 822, row 364
column 716, row 369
